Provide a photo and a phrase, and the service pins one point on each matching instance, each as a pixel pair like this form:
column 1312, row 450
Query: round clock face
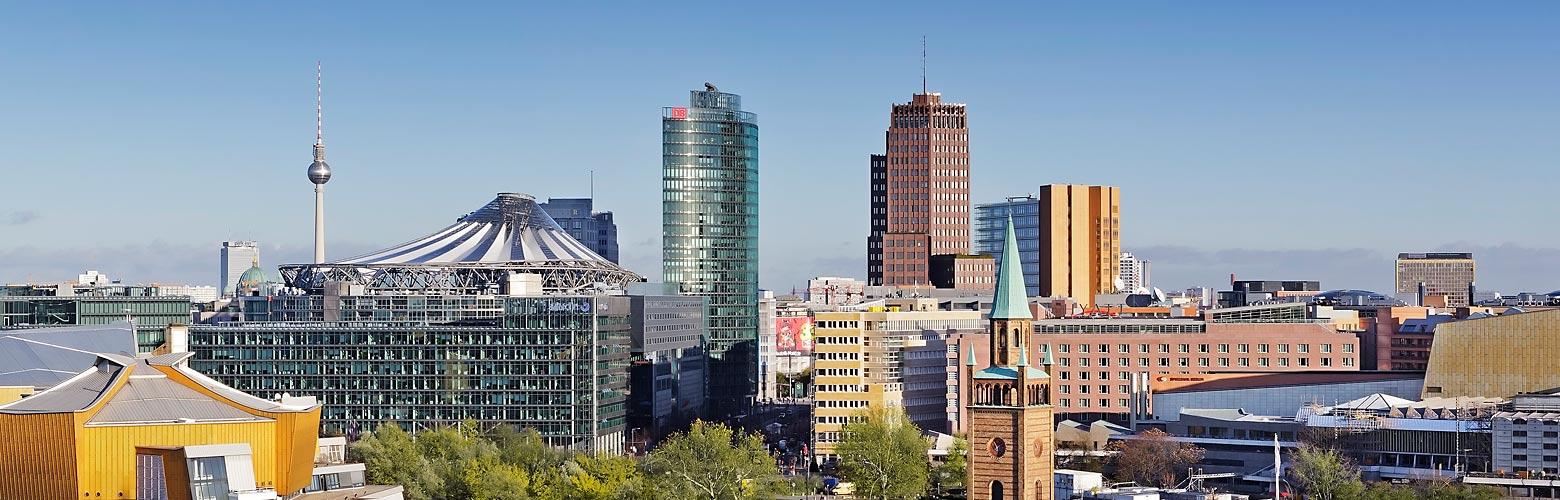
column 997, row 447
column 1039, row 447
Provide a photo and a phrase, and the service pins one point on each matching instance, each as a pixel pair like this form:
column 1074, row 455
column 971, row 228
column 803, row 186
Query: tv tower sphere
column 319, row 171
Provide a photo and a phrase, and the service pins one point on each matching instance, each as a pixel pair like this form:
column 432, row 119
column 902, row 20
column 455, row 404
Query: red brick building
column 920, row 191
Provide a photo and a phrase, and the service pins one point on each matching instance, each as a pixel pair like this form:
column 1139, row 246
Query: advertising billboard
column 794, row 334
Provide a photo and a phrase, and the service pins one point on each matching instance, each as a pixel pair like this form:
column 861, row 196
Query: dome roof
column 254, row 277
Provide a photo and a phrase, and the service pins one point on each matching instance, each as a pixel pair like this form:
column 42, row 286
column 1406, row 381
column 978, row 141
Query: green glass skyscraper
column 709, row 222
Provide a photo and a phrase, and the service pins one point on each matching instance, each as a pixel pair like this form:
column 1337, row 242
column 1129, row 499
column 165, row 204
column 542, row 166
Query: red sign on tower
column 679, row 113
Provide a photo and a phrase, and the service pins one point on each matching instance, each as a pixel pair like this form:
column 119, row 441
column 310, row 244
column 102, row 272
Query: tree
column 710, row 461
column 488, row 478
column 884, row 454
column 1387, row 491
column 604, row 477
column 1326, row 474
column 955, row 467
column 1153, row 458
column 390, row 457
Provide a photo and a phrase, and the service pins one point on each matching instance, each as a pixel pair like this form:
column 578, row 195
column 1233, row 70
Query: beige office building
column 1080, row 240
column 871, row 358
column 1448, row 275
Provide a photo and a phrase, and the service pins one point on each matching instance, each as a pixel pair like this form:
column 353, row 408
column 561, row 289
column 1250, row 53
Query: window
column 1348, row 348
column 1063, row 348
column 1350, row 362
column 1326, row 348
column 1243, row 348
column 1262, row 348
column 1262, row 361
column 1183, row 362
column 1104, row 362
column 1104, row 403
column 1165, row 362
column 1243, row 362
column 1224, row 348
column 1304, row 361
column 1283, row 348
column 1304, row 348
column 1124, row 348
column 1202, row 361
column 1202, row 348
column 1326, row 361
column 1066, row 402
column 1104, row 348
column 1143, row 362
column 1283, row 361
column 208, row 478
column 1224, row 361
column 1124, row 389
column 1083, row 348
column 1124, row 375
column 1183, row 348
column 1143, row 348
column 1164, row 348
column 1520, row 446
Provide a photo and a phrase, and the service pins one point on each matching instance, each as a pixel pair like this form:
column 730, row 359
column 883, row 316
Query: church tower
column 1010, row 423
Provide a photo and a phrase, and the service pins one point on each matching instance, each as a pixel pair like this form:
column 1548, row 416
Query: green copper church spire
column 1012, row 300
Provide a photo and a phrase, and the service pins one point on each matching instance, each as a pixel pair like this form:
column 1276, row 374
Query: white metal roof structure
column 477, row 254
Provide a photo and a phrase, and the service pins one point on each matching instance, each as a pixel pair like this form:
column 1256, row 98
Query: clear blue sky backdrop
column 1274, row 140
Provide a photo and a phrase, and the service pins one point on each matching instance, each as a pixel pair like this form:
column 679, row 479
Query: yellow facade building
column 1498, row 356
column 863, row 359
column 127, row 428
column 1080, row 241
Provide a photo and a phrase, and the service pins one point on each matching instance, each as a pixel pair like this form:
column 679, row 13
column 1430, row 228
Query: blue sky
column 1275, row 141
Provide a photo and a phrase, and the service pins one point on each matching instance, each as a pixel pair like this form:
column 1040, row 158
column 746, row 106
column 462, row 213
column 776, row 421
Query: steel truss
column 558, row 276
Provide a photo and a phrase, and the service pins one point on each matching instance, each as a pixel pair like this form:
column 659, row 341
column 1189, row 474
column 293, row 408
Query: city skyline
column 1190, row 110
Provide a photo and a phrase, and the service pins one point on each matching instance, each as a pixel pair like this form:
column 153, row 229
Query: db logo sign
column 679, row 113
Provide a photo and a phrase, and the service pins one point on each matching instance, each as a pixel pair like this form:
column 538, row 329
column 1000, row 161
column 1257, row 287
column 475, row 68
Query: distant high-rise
column 237, row 256
column 991, row 223
column 1080, row 240
column 1444, row 274
column 920, row 191
column 709, row 223
column 595, row 229
column 1134, row 274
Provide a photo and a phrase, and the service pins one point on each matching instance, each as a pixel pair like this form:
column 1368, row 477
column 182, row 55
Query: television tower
column 319, row 171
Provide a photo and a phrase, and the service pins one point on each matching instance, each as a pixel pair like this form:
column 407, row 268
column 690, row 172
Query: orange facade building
column 1080, row 241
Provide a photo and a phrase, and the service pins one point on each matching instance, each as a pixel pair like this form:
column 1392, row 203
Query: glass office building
column 28, row 306
column 709, row 219
column 991, row 226
column 557, row 364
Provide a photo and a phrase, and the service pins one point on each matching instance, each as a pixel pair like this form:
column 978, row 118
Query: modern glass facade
column 557, row 364
column 990, row 227
column 709, row 219
column 152, row 314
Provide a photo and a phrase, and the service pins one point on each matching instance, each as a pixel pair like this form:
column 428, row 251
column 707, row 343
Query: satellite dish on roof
column 1159, row 295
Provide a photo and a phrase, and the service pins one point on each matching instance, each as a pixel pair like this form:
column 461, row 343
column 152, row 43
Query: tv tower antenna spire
column 319, row 102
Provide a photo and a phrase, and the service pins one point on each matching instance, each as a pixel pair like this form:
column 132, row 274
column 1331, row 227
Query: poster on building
column 793, row 334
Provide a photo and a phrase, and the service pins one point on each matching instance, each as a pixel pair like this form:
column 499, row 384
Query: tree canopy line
column 881, row 452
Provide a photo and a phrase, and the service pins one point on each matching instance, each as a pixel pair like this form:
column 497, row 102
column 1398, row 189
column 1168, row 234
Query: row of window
column 1185, row 362
column 1202, row 348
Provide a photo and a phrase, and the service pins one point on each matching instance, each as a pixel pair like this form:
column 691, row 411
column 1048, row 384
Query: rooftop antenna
column 593, row 186
column 923, row 64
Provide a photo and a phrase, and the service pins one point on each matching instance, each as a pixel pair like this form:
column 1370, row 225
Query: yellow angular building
column 152, row 428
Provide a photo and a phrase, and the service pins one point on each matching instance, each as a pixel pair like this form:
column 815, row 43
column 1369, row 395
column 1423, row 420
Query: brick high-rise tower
column 1009, row 404
column 920, row 191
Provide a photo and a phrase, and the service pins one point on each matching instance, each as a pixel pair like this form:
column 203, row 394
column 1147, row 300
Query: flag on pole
column 1278, row 468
